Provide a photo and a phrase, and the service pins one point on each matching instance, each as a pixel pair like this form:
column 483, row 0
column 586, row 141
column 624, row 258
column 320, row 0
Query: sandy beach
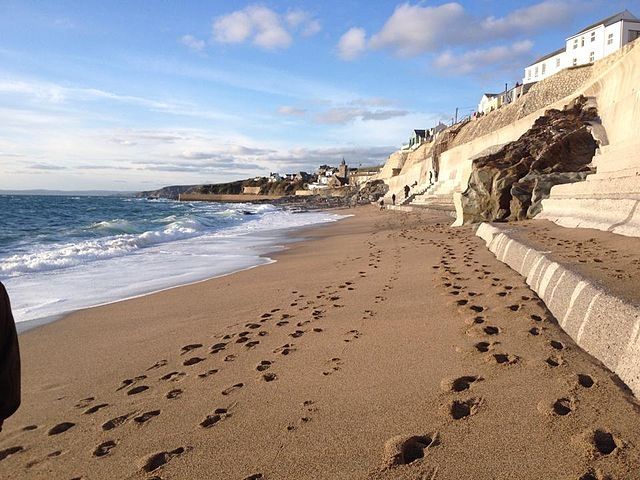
column 384, row 346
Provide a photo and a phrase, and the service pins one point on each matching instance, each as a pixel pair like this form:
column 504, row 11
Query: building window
column 557, row 63
column 528, row 74
column 575, row 62
column 575, row 44
column 634, row 35
column 544, row 68
column 536, row 74
column 582, row 41
column 592, row 57
column 610, row 39
column 593, row 36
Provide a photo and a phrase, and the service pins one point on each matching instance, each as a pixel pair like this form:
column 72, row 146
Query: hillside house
column 489, row 102
column 588, row 45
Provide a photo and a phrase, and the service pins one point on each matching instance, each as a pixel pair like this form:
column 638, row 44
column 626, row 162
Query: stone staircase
column 438, row 196
column 607, row 200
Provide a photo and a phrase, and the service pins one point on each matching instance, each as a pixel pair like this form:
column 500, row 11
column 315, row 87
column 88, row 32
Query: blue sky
column 135, row 95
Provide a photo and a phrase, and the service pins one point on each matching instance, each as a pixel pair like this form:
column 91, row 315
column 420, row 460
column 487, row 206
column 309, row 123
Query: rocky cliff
column 510, row 183
column 171, row 192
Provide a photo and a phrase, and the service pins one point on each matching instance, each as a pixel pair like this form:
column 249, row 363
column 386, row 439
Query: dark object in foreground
column 9, row 360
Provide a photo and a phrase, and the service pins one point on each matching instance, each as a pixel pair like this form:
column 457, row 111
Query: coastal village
column 581, row 50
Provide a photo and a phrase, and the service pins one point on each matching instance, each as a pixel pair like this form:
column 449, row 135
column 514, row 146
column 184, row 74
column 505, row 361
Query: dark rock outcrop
column 511, row 183
column 371, row 192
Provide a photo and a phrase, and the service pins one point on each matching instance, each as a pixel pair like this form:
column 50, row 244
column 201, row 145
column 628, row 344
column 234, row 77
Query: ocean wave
column 67, row 255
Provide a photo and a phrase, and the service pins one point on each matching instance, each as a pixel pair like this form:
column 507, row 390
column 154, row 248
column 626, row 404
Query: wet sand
column 386, row 346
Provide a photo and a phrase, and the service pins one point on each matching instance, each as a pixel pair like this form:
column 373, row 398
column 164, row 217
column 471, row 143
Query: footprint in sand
column 130, row 381
column 145, row 417
column 116, row 422
column 335, row 364
column 188, row 348
column 207, row 373
column 232, row 388
column 563, row 406
column 61, row 428
column 255, row 476
column 10, row 451
column 192, row 361
column 137, row 390
column 218, row 347
column 355, row 334
column 554, row 361
column 460, row 409
column 104, row 448
column 585, row 380
column 286, row 349
column 95, row 408
column 252, row 343
column 173, row 376
column 490, row 330
column 505, row 359
column 158, row 364
column 263, row 365
column 157, row 460
column 218, row 415
column 460, row 384
column 175, row 393
column 85, row 402
column 405, row 449
column 556, row 345
column 604, row 442
column 269, row 377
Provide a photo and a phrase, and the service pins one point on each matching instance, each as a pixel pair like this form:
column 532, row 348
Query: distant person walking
column 393, row 199
column 9, row 360
column 407, row 189
column 381, row 204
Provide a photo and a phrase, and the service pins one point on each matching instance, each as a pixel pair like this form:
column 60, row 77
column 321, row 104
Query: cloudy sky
column 135, row 95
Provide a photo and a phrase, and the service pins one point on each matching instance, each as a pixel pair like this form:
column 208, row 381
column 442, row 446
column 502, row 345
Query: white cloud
column 529, row 19
column 482, row 59
column 311, row 28
column 296, row 17
column 352, row 44
column 292, row 111
column 264, row 27
column 342, row 115
column 415, row 29
column 192, row 42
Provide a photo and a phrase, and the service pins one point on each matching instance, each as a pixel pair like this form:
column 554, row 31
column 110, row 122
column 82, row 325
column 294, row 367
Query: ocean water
column 62, row 253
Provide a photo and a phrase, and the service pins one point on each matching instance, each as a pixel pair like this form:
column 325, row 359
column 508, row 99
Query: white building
column 489, row 102
column 588, row 45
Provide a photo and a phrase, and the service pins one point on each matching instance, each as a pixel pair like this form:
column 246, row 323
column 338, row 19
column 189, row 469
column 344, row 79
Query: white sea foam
column 71, row 276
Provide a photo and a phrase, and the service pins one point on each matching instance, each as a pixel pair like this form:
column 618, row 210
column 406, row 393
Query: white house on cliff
column 588, row 45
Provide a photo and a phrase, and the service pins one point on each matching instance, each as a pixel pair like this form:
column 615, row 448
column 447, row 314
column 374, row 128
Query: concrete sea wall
column 604, row 325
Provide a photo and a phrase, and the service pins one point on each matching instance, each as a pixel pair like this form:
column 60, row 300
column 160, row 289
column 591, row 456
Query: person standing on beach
column 407, row 189
column 9, row 360
column 393, row 199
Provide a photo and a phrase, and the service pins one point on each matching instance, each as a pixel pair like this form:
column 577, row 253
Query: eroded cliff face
column 510, row 184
